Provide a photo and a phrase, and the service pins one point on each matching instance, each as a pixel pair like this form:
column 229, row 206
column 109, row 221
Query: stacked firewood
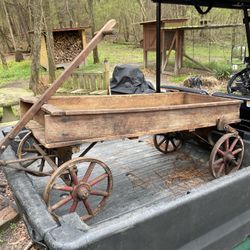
column 67, row 45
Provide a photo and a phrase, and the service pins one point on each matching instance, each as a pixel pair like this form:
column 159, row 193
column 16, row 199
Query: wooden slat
column 51, row 109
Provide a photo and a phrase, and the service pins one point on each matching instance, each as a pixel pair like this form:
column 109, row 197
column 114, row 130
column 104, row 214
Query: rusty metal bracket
column 222, row 125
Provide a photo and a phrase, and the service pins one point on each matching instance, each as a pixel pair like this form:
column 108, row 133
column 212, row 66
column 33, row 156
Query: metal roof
column 231, row 4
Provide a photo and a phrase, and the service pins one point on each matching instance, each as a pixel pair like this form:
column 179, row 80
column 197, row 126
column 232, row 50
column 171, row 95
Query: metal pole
column 246, row 22
column 158, row 47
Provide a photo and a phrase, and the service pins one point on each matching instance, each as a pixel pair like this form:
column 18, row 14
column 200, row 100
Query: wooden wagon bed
column 65, row 121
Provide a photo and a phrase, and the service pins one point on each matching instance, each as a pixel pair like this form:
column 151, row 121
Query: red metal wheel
column 227, row 155
column 25, row 149
column 167, row 143
column 86, row 194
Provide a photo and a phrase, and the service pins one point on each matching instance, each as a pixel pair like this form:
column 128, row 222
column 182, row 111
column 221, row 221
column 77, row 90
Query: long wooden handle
column 107, row 28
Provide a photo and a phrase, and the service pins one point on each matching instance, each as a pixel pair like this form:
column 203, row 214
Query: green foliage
column 118, row 54
column 221, row 70
column 2, row 241
column 179, row 79
column 12, row 226
column 15, row 71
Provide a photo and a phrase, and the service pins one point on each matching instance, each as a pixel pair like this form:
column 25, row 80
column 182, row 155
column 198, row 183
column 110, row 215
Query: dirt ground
column 15, row 235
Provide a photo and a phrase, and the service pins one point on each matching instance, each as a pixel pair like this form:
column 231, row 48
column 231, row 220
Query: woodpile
column 67, row 46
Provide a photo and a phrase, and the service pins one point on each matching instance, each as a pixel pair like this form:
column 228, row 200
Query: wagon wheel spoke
column 88, row 172
column 217, row 162
column 173, row 143
column 63, row 188
column 233, row 144
column 88, row 208
column 227, row 145
column 160, row 143
column 222, row 167
column 98, row 179
column 237, row 151
column 61, row 202
column 99, row 193
column 222, row 153
column 73, row 206
column 167, row 145
column 73, row 176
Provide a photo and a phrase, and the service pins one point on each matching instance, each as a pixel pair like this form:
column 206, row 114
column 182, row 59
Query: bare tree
column 3, row 59
column 143, row 10
column 92, row 20
column 9, row 24
column 67, row 10
column 36, row 7
column 49, row 40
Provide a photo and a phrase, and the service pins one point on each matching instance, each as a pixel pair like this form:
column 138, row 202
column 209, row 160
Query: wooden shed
column 172, row 39
column 68, row 43
column 149, row 35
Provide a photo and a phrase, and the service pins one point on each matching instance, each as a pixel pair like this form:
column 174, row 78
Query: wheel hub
column 229, row 158
column 82, row 191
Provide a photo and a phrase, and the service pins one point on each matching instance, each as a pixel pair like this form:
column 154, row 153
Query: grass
column 178, row 79
column 129, row 54
column 16, row 71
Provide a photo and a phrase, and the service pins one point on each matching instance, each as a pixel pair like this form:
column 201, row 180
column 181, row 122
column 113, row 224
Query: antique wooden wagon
column 64, row 123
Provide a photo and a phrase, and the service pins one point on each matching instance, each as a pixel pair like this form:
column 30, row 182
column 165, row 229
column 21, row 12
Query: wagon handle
column 56, row 84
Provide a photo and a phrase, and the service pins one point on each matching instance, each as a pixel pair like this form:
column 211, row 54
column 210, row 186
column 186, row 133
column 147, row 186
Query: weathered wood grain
column 67, row 121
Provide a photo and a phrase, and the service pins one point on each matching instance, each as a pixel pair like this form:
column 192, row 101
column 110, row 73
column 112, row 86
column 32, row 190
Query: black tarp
column 128, row 79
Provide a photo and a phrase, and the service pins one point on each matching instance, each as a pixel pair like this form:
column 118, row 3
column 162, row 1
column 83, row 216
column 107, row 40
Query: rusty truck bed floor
column 143, row 175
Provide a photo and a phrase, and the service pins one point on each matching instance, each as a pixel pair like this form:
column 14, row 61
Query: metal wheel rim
column 163, row 141
column 226, row 149
column 68, row 165
column 20, row 149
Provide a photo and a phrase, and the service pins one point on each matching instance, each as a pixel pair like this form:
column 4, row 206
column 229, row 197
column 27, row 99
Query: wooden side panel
column 117, row 102
column 38, row 117
column 84, row 39
column 24, row 107
column 97, row 127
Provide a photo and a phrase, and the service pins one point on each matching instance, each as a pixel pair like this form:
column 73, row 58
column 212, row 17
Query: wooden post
column 145, row 53
column 84, row 42
column 106, row 80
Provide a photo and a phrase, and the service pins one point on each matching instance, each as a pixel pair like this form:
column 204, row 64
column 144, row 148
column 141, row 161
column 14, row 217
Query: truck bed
column 143, row 175
column 158, row 202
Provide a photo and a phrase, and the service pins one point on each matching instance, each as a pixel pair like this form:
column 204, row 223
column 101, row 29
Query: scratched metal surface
column 143, row 175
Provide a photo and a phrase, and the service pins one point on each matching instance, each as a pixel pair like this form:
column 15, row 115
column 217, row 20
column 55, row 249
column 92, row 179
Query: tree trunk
column 3, row 59
column 71, row 21
column 143, row 10
column 49, row 40
column 36, row 7
column 9, row 24
column 60, row 14
column 92, row 20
